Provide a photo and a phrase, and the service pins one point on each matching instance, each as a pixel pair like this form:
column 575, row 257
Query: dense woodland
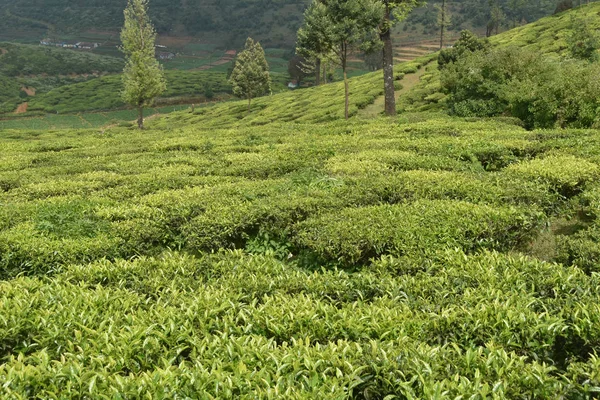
column 274, row 22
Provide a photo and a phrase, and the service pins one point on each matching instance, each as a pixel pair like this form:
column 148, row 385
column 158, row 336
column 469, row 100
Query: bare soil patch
column 29, row 90
column 22, row 108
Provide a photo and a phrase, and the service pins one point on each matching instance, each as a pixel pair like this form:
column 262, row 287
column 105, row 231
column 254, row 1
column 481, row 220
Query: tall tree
column 353, row 25
column 250, row 77
column 315, row 39
column 393, row 11
column 143, row 76
column 497, row 18
column 297, row 68
column 443, row 21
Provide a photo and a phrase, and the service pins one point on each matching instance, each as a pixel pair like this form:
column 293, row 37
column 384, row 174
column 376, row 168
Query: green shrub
column 357, row 234
column 566, row 175
column 467, row 43
column 542, row 92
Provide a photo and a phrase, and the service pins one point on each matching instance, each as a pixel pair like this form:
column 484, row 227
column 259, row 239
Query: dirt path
column 22, row 109
column 408, row 82
column 29, row 90
column 223, row 60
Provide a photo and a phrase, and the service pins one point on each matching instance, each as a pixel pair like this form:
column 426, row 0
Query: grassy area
column 350, row 252
column 104, row 93
column 81, row 120
column 21, row 59
column 316, row 104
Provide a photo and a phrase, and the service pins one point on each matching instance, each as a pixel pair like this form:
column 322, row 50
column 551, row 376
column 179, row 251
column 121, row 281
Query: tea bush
column 222, row 259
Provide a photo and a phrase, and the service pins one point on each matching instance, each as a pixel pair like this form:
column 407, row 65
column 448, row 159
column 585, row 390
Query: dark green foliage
column 560, row 94
column 583, row 41
column 563, row 5
column 541, row 91
column 476, row 83
column 228, row 22
column 467, row 44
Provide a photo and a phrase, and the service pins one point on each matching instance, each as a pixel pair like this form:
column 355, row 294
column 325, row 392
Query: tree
column 497, row 18
column 297, row 68
column 443, row 21
column 563, row 5
column 467, row 43
column 373, row 60
column 353, row 25
column 583, row 42
column 315, row 41
column 250, row 77
column 393, row 11
column 143, row 76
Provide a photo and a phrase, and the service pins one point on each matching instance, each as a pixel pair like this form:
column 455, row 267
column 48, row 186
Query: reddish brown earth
column 29, row 90
column 22, row 108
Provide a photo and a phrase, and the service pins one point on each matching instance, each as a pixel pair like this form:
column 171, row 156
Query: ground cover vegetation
column 25, row 60
column 104, row 93
column 358, row 259
column 539, row 73
column 288, row 253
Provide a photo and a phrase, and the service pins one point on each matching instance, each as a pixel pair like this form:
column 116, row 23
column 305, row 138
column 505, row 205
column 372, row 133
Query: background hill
column 227, row 22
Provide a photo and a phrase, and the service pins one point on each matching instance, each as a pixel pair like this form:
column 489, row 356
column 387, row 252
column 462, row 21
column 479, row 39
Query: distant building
column 165, row 55
column 69, row 44
column 293, row 85
column 86, row 45
column 231, row 53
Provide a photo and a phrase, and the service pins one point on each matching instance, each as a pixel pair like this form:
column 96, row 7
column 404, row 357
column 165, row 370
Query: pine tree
column 143, row 76
column 250, row 77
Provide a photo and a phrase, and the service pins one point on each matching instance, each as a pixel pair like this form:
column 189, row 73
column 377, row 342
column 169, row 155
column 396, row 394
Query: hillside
column 273, row 22
column 286, row 253
column 228, row 22
column 546, row 36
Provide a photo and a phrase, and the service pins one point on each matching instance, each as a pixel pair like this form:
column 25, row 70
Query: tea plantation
column 284, row 253
column 361, row 260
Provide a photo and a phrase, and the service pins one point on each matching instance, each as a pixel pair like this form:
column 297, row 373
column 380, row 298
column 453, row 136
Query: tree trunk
column 325, row 65
column 443, row 24
column 347, row 92
column 140, row 120
column 318, row 72
column 388, row 67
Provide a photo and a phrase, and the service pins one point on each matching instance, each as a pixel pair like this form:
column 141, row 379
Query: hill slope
column 323, row 259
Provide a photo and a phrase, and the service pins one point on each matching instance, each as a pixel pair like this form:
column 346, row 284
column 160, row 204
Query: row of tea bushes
column 230, row 325
column 76, row 196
